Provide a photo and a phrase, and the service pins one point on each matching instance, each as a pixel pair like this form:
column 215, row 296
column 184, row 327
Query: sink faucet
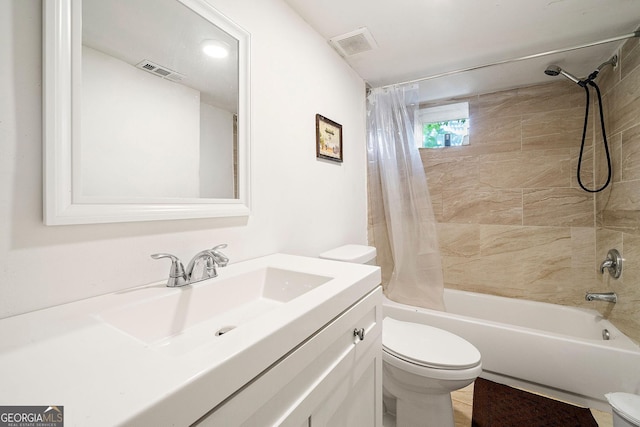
column 601, row 296
column 178, row 276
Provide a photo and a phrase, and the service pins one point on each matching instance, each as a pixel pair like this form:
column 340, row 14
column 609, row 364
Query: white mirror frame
column 59, row 129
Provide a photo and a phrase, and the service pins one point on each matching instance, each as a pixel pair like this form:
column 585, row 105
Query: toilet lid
column 427, row 346
column 627, row 405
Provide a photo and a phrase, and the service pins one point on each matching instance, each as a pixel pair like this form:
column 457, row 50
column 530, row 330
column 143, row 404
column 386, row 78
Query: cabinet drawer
column 292, row 389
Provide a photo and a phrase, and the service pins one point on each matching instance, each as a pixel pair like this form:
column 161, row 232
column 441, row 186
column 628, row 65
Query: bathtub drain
column 605, row 335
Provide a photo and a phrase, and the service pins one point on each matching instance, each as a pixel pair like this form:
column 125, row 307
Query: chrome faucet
column 601, row 296
column 211, row 258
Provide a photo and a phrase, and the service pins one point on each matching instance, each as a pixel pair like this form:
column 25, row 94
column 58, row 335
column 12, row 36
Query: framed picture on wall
column 328, row 139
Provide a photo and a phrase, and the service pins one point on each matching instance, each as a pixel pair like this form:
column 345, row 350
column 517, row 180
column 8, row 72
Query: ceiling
column 168, row 34
column 423, row 38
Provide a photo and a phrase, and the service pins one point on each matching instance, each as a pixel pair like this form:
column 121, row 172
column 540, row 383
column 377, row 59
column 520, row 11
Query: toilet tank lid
column 351, row 253
column 627, row 405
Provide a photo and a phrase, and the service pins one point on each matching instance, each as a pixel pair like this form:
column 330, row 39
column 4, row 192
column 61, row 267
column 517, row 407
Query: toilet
column 626, row 409
column 421, row 364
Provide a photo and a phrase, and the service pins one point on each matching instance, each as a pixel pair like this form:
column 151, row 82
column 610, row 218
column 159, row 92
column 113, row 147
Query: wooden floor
column 463, row 409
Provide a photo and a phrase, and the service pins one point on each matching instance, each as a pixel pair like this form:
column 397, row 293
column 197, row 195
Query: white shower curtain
column 410, row 223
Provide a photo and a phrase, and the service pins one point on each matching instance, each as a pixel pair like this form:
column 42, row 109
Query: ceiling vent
column 355, row 42
column 160, row 71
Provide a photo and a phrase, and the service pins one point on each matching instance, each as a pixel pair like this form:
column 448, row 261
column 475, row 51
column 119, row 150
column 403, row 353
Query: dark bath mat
column 497, row 405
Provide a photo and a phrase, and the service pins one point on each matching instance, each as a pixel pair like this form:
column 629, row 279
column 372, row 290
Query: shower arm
column 613, row 62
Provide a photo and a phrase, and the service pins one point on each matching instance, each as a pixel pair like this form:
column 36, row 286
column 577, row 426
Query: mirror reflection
column 159, row 105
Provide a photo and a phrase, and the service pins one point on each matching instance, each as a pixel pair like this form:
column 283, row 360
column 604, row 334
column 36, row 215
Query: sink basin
column 215, row 306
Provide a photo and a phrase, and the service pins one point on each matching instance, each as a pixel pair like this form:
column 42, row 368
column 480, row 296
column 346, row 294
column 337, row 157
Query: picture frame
column 328, row 139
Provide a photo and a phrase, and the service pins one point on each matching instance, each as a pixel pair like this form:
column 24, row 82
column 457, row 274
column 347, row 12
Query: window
column 442, row 126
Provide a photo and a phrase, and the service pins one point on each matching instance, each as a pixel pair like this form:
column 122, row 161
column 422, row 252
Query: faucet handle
column 177, row 276
column 221, row 259
column 613, row 264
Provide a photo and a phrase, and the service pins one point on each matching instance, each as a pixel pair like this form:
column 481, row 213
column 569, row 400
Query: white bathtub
column 551, row 349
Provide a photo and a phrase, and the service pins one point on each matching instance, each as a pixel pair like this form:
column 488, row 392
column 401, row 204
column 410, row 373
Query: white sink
column 217, row 305
column 150, row 349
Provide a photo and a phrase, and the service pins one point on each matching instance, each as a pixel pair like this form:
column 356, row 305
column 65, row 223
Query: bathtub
column 551, row 349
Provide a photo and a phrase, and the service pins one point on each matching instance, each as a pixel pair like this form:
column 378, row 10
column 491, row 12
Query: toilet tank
column 359, row 254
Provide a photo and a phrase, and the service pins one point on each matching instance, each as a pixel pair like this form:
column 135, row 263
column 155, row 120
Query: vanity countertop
column 70, row 356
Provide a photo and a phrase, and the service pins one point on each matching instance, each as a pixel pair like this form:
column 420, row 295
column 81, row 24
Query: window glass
column 442, row 126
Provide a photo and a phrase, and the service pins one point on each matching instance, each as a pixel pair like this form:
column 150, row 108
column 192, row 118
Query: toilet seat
column 427, row 347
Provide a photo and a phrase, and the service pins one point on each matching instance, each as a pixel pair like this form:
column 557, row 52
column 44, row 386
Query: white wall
column 216, row 152
column 135, row 124
column 300, row 205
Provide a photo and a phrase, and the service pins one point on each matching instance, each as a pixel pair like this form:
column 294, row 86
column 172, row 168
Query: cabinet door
column 333, row 360
column 355, row 399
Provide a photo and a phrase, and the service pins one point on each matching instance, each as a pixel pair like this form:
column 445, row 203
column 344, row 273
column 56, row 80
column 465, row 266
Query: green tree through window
column 445, row 133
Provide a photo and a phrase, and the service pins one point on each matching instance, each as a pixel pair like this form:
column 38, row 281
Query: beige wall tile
column 499, row 104
column 617, row 161
column 621, row 220
column 558, row 95
column 524, row 243
column 622, row 209
column 498, row 273
column 623, row 103
column 558, row 207
column 489, row 129
column 586, row 167
column 482, row 206
column 626, row 314
column 629, row 57
column 457, row 172
column 535, row 169
column 459, row 240
column 629, row 141
column 552, row 129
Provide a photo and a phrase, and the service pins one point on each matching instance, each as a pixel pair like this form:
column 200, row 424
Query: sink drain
column 224, row 330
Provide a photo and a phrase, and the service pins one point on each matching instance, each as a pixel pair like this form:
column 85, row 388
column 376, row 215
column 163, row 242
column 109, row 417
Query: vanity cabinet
column 333, row 378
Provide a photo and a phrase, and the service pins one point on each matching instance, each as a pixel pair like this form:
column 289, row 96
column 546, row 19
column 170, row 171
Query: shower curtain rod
column 522, row 58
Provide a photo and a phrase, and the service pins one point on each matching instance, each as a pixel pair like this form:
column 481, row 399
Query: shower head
column 554, row 70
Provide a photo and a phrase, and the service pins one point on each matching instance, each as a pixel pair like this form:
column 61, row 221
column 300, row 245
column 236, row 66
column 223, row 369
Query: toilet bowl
column 626, row 409
column 421, row 364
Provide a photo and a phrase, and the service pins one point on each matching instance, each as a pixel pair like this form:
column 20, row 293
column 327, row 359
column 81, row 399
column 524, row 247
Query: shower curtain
column 393, row 156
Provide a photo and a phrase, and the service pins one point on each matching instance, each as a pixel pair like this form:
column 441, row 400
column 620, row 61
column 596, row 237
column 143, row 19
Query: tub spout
column 601, row 296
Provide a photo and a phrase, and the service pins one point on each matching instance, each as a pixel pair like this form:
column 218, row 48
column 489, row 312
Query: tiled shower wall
column 512, row 220
column 618, row 207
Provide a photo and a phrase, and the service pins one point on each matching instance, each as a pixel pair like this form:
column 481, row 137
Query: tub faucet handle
column 613, row 264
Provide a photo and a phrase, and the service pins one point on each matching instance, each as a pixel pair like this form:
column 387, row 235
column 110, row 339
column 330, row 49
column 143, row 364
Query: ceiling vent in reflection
column 355, row 42
column 160, row 71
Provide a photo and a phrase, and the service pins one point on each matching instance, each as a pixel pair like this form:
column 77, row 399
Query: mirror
column 139, row 123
